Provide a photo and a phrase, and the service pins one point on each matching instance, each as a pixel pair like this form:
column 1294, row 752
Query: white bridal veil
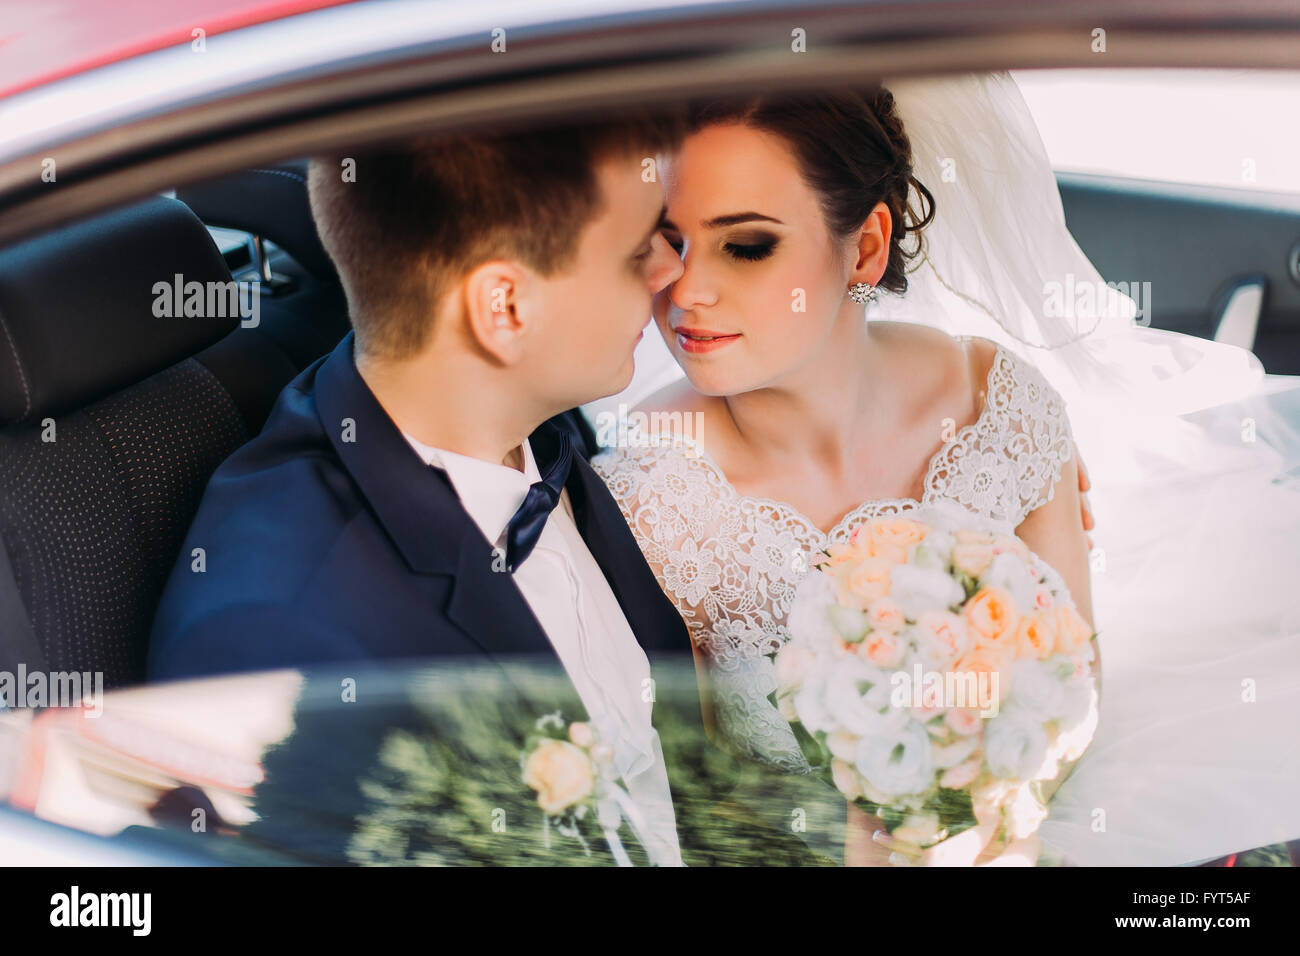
column 1193, row 466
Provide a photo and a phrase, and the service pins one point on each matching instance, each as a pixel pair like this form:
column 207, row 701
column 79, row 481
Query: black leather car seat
column 112, row 419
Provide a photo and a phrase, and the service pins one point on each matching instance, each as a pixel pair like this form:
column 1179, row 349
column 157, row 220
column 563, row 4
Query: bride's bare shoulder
column 952, row 367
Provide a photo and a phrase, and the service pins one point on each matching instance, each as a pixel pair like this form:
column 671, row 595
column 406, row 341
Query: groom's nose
column 666, row 267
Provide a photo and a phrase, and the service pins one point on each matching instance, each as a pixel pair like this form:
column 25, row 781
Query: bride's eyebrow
column 731, row 219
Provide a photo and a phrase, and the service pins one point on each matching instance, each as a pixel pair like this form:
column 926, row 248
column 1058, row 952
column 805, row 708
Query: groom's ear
column 872, row 251
column 498, row 297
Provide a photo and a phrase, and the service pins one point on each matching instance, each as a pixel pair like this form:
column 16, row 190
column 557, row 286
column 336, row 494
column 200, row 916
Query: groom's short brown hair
column 419, row 214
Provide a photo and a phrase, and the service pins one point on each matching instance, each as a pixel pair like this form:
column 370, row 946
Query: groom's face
column 597, row 310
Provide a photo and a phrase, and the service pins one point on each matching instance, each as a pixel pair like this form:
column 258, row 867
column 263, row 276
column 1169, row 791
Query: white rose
column 857, row 710
column 1012, row 575
column 897, row 763
column 842, row 745
column 792, row 662
column 809, row 703
column 917, row 590
column 809, row 622
column 1036, row 691
column 947, row 756
column 1015, row 746
column 1079, row 694
column 934, row 551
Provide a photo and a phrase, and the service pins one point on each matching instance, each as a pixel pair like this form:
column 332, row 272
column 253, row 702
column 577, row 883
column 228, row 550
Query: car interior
column 142, row 409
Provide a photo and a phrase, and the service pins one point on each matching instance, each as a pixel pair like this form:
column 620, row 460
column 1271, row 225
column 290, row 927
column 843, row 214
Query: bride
column 790, row 216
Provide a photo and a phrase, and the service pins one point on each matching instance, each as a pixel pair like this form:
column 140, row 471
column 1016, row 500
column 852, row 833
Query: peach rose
column 1036, row 636
column 560, row 773
column 944, row 635
column 1004, row 542
column 1072, row 631
column 581, row 734
column 847, row 780
column 991, row 660
column 860, row 585
column 962, row 720
column 1043, row 600
column 889, row 538
column 836, row 555
column 885, row 615
column 991, row 616
column 882, row 648
column 972, row 559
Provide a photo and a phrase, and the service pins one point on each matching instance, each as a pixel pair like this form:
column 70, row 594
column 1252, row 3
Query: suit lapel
column 421, row 513
column 653, row 619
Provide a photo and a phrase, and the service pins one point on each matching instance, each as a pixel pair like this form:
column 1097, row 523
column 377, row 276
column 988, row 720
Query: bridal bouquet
column 937, row 676
column 577, row 787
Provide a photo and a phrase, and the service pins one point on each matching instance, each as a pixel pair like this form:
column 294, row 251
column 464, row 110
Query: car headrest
column 80, row 317
column 271, row 202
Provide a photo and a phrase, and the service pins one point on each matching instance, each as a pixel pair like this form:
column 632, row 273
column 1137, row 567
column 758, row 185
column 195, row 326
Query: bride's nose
column 693, row 290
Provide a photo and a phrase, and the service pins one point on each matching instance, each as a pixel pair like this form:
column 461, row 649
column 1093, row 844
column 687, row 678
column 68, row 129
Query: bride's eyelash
column 750, row 251
column 753, row 251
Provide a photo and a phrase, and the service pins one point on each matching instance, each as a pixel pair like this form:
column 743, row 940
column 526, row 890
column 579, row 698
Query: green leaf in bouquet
column 813, row 747
column 956, row 812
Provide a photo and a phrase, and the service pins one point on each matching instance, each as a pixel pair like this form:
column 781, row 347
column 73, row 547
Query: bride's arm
column 1052, row 531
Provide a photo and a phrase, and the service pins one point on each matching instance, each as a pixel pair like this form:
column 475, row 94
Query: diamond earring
column 862, row 292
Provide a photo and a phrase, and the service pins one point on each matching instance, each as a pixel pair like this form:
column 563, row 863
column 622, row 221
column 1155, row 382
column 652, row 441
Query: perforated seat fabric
column 94, row 519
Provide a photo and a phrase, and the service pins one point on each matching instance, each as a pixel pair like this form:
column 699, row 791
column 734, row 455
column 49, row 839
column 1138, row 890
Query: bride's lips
column 702, row 340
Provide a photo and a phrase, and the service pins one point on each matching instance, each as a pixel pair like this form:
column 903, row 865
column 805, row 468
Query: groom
column 420, row 492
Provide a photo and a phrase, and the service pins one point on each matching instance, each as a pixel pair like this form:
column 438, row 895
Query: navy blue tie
column 526, row 526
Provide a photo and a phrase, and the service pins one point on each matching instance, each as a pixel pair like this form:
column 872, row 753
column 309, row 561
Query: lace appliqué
column 731, row 562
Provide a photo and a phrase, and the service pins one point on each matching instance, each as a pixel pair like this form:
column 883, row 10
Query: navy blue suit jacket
column 327, row 539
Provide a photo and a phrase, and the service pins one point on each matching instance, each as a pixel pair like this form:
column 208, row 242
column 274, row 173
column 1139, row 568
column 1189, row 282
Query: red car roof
column 48, row 40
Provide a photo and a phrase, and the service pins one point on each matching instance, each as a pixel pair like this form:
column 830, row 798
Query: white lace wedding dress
column 731, row 562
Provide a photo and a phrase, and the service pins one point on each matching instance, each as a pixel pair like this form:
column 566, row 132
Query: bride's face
column 763, row 282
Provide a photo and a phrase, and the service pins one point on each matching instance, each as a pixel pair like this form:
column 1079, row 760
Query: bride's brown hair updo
column 853, row 152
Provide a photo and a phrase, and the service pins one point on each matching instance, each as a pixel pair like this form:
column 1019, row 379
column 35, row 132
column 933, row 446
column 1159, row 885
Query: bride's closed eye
column 746, row 249
column 751, row 250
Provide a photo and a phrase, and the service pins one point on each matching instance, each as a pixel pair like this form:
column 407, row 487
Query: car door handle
column 1238, row 320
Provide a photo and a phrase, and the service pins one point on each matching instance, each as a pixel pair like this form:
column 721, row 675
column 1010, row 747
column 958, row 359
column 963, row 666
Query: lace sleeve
column 728, row 568
column 1037, row 429
column 1007, row 462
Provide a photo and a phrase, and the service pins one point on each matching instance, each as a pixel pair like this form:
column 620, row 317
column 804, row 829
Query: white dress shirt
column 572, row 600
